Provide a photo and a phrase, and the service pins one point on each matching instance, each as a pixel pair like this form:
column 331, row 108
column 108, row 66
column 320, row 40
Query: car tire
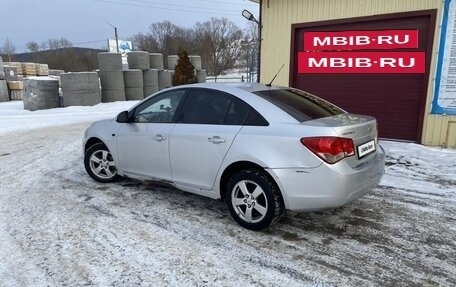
column 99, row 163
column 254, row 199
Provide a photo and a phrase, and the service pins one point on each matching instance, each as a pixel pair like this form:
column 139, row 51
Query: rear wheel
column 99, row 163
column 254, row 199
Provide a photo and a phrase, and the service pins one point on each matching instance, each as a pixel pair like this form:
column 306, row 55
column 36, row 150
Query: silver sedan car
column 262, row 149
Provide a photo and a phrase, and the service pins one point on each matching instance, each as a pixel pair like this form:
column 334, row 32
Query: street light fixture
column 115, row 33
column 249, row 16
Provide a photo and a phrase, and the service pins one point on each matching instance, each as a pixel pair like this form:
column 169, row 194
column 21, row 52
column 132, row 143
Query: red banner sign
column 361, row 40
column 361, row 62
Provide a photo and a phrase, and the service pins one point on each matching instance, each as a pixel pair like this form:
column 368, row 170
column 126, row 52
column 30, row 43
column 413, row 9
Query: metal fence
column 231, row 79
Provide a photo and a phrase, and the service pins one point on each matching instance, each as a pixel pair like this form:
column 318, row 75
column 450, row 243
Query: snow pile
column 425, row 169
column 14, row 118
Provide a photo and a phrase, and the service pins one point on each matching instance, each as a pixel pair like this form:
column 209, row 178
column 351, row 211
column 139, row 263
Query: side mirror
column 123, row 117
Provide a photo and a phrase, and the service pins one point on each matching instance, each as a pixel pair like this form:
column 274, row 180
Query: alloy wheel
column 249, row 201
column 102, row 164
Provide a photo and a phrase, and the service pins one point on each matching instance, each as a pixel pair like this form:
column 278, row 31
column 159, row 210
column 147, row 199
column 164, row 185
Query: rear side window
column 255, row 119
column 237, row 112
column 214, row 108
column 206, row 107
column 300, row 105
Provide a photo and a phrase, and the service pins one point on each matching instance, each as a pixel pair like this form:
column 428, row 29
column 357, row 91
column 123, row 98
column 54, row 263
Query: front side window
column 300, row 105
column 159, row 109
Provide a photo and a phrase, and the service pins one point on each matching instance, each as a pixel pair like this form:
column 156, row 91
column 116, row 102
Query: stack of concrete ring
column 165, row 77
column 138, row 62
column 150, row 76
column 200, row 73
column 145, row 74
column 111, row 77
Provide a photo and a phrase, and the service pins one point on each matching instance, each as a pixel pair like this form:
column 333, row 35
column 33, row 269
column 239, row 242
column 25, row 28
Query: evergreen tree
column 184, row 72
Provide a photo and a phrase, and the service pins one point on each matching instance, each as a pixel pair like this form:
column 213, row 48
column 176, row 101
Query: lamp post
column 249, row 16
column 115, row 33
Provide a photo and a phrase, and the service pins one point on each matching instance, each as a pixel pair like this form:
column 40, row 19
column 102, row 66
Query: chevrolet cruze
column 262, row 149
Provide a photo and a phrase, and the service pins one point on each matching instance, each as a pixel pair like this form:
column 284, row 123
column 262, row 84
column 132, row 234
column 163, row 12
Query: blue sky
column 84, row 21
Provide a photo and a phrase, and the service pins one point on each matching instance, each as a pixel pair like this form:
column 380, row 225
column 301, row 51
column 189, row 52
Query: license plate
column 366, row 148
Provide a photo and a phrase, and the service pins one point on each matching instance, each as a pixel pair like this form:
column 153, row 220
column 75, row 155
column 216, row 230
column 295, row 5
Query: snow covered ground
column 60, row 228
column 14, row 118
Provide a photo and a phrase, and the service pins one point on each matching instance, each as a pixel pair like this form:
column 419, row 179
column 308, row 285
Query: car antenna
column 268, row 85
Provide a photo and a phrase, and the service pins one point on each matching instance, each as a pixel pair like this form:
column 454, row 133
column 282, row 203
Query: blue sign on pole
column 445, row 83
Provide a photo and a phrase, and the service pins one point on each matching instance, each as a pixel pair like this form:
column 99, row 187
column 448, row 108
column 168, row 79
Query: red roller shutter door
column 396, row 100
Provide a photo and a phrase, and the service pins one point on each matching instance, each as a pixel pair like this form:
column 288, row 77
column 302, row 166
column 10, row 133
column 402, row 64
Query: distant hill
column 30, row 56
column 72, row 59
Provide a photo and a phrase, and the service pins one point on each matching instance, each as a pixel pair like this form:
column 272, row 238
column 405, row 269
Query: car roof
column 248, row 87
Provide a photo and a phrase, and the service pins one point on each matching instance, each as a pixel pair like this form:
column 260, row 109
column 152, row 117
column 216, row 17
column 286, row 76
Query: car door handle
column 159, row 138
column 216, row 140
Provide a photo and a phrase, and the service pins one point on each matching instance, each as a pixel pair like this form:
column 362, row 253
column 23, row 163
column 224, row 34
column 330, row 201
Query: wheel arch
column 237, row 166
column 91, row 141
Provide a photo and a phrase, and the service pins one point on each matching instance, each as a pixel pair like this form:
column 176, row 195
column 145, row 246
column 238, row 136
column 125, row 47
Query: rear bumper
column 328, row 186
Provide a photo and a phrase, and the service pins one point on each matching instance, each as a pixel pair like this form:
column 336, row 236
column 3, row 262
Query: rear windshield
column 300, row 105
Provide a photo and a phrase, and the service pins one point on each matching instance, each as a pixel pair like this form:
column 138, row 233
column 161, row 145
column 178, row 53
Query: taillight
column 330, row 149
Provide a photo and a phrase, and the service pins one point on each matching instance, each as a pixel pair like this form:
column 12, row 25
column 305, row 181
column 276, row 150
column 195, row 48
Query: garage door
column 396, row 100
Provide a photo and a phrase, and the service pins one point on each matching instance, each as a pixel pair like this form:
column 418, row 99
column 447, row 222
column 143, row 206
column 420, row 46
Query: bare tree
column 34, row 48
column 165, row 34
column 145, row 42
column 8, row 49
column 220, row 44
column 170, row 38
column 55, row 44
column 166, row 38
column 43, row 45
column 65, row 43
column 218, row 41
column 187, row 41
column 250, row 49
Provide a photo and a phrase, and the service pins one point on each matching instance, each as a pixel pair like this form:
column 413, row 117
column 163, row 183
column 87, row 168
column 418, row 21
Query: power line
column 184, row 6
column 162, row 8
column 224, row 2
column 204, row 1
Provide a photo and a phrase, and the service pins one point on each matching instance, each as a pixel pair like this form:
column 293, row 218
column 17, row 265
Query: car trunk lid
column 361, row 129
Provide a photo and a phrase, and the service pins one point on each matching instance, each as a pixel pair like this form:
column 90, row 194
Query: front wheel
column 254, row 199
column 99, row 163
